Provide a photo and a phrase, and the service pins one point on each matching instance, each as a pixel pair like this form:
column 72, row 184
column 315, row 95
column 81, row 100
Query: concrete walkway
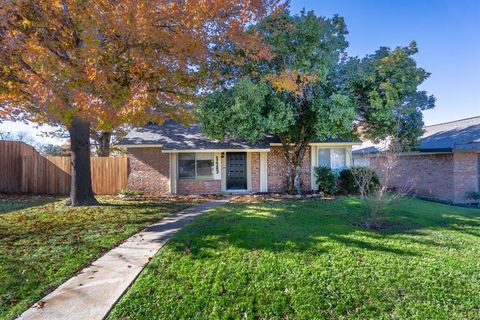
column 93, row 292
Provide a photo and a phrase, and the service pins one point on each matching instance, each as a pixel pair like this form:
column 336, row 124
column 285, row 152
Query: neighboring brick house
column 445, row 166
column 173, row 159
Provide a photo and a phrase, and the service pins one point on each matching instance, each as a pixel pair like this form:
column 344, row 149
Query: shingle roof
column 459, row 135
column 449, row 136
column 172, row 135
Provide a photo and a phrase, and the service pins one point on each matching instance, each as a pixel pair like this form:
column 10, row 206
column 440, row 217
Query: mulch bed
column 278, row 196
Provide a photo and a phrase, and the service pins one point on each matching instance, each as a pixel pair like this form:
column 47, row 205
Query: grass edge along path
column 306, row 259
column 44, row 243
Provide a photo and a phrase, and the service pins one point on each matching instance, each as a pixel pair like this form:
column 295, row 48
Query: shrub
column 130, row 192
column 326, row 179
column 472, row 195
column 349, row 180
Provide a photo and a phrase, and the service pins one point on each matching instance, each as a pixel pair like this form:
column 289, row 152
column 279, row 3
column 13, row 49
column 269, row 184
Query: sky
column 447, row 33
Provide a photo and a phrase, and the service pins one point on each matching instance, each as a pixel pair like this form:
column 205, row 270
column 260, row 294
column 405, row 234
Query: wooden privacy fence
column 11, row 164
column 24, row 170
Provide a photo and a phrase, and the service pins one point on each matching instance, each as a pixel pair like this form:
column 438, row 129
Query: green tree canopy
column 310, row 89
column 385, row 88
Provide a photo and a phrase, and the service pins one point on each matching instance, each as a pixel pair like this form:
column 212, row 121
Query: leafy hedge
column 347, row 184
column 326, row 179
column 331, row 182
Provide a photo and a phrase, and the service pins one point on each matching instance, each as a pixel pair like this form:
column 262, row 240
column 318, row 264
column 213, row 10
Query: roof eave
column 216, row 150
column 142, row 145
column 317, row 144
column 434, row 150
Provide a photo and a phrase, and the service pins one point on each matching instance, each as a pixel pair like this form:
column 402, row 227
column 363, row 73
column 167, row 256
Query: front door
column 236, row 171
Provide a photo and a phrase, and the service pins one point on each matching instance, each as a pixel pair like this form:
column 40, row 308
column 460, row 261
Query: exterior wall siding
column 429, row 176
column 465, row 173
column 277, row 170
column 149, row 171
column 446, row 177
column 199, row 186
column 255, row 170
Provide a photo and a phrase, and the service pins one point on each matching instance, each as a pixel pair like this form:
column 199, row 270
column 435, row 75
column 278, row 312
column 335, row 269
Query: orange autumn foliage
column 291, row 81
column 118, row 62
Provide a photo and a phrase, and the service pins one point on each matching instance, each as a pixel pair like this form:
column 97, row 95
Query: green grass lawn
column 42, row 243
column 305, row 259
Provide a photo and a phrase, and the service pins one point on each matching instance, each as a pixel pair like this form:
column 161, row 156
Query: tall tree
column 385, row 88
column 310, row 90
column 294, row 95
column 102, row 63
column 104, row 141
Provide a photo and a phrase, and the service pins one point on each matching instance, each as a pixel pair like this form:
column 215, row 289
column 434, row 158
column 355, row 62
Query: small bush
column 130, row 192
column 326, row 179
column 472, row 195
column 348, row 180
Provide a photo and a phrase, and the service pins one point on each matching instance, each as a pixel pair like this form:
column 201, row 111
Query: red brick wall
column 149, row 171
column 465, row 173
column 185, row 186
column 255, row 170
column 428, row 176
column 277, row 170
column 444, row 177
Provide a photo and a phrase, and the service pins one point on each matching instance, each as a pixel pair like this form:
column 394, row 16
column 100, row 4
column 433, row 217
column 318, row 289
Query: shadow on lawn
column 148, row 204
column 14, row 202
column 313, row 227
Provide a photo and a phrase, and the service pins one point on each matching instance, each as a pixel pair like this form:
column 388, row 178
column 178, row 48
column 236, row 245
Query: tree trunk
column 294, row 158
column 103, row 149
column 81, row 193
column 297, row 180
column 289, row 174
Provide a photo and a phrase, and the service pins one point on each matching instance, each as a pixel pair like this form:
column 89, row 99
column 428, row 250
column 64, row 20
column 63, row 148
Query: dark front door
column 236, row 171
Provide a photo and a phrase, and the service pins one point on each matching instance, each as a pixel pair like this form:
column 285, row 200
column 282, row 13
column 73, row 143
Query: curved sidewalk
column 94, row 291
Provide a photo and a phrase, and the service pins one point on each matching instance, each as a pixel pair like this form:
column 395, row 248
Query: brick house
column 445, row 166
column 173, row 159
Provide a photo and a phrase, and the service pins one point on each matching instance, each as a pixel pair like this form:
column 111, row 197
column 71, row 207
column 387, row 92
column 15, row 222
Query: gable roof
column 172, row 136
column 458, row 135
column 450, row 136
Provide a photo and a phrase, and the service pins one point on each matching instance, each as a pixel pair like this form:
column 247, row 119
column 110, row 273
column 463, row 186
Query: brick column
column 465, row 175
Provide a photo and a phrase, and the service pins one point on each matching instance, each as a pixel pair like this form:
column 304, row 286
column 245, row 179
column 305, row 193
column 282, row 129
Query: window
column 195, row 166
column 186, row 165
column 338, row 158
column 204, row 166
column 334, row 158
column 324, row 158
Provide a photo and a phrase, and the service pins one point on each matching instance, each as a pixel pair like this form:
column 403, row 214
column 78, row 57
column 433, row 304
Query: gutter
column 213, row 150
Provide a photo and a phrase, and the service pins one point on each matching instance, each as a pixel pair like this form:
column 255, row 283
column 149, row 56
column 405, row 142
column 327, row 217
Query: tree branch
column 69, row 23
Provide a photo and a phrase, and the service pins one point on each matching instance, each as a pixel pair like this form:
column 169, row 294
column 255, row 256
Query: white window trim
column 314, row 159
column 173, row 172
column 263, row 172
column 196, row 173
column 345, row 151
